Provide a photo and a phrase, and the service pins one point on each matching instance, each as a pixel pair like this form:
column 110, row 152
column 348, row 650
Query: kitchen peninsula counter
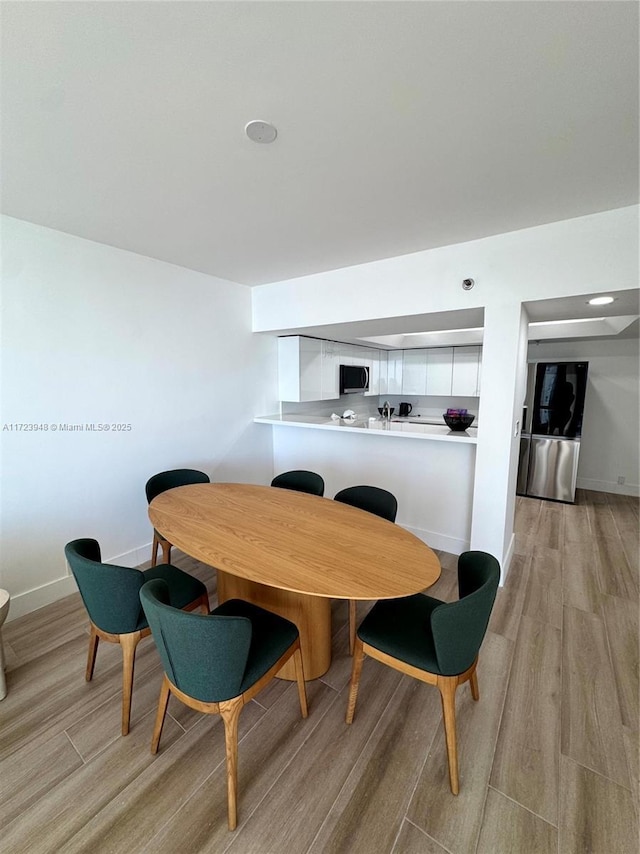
column 378, row 427
column 431, row 476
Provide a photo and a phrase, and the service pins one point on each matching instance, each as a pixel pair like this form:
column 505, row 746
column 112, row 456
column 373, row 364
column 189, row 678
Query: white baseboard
column 443, row 542
column 456, row 546
column 132, row 558
column 506, row 563
column 31, row 600
column 607, row 486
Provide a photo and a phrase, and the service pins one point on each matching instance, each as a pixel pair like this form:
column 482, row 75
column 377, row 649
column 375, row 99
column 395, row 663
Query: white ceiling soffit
column 540, row 331
column 401, row 126
column 385, row 331
column 563, row 308
column 449, row 328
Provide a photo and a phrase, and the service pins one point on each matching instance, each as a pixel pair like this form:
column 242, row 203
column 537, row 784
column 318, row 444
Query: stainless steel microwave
column 353, row 379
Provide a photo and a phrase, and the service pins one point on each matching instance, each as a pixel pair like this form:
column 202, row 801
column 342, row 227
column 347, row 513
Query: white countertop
column 404, row 429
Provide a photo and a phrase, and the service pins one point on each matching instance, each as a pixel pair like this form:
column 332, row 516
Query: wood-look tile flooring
column 548, row 757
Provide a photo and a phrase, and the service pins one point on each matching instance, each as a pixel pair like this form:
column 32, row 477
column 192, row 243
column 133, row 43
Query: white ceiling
column 401, row 125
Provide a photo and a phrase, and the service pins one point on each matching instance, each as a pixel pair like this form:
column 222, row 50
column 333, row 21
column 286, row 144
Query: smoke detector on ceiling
column 259, row 131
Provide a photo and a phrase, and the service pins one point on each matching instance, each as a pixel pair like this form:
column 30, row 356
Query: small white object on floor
column 5, row 599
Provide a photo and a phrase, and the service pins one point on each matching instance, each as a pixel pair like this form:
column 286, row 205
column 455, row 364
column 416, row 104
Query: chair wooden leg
column 163, row 702
column 154, row 549
column 91, row 658
column 204, row 603
column 356, row 670
column 129, row 643
column 302, row 688
column 230, row 712
column 475, row 692
column 352, row 625
column 165, row 545
column 447, row 686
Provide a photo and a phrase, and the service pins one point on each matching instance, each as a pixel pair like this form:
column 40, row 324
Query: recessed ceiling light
column 259, row 131
column 601, row 300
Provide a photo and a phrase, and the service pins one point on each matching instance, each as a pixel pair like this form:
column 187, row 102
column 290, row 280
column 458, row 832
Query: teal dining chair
column 217, row 663
column 300, row 481
column 433, row 641
column 111, row 596
column 375, row 500
column 159, row 483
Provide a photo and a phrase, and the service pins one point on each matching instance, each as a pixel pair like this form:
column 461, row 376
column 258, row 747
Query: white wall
column 96, row 334
column 611, row 440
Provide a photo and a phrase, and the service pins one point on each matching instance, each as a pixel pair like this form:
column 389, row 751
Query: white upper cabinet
column 466, row 371
column 414, row 372
column 378, row 374
column 383, row 357
column 394, row 372
column 309, row 369
column 299, row 368
column 348, row 354
column 330, row 370
column 439, row 370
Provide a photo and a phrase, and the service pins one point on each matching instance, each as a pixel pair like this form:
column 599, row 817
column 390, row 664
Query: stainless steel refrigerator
column 549, row 453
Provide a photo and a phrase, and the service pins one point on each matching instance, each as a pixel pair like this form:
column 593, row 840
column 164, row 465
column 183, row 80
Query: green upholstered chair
column 436, row 642
column 300, row 481
column 111, row 596
column 159, row 483
column 217, row 663
column 375, row 500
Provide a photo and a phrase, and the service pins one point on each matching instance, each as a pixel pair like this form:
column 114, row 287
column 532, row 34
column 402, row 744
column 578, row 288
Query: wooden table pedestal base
column 311, row 614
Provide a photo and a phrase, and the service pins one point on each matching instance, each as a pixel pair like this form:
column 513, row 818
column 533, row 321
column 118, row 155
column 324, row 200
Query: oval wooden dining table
column 292, row 553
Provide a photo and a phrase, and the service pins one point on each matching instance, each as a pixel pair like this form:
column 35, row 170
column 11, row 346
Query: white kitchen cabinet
column 309, row 369
column 414, row 372
column 330, row 370
column 466, row 371
column 439, row 370
column 348, row 354
column 299, row 368
column 384, row 371
column 378, row 382
column 394, row 372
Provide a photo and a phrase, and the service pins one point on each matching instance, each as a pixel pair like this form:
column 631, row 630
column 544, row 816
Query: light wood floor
column 548, row 757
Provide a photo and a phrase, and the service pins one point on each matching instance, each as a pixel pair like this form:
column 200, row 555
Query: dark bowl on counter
column 392, row 409
column 458, row 423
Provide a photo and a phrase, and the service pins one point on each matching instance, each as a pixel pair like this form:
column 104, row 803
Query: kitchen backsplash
column 363, row 406
column 430, row 407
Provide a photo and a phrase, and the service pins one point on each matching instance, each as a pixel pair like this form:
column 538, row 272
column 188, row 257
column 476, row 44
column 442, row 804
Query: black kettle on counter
column 405, row 409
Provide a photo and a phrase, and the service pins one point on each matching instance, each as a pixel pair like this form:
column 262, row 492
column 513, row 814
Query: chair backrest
column 110, row 593
column 300, row 481
column 204, row 656
column 459, row 627
column 370, row 498
column 170, row 479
